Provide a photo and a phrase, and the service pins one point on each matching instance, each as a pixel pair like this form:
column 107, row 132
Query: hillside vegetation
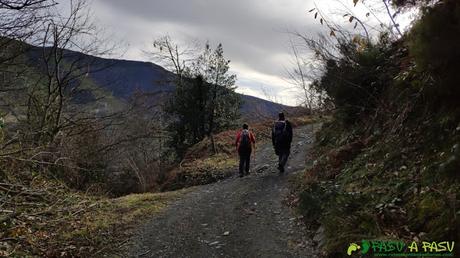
column 200, row 166
column 386, row 166
column 84, row 158
column 40, row 217
column 88, row 143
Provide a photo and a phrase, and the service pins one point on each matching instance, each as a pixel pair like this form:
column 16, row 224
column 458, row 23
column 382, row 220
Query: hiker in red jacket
column 245, row 142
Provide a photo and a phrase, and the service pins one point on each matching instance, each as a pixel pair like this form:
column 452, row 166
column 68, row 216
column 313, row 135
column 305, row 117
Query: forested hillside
column 386, row 166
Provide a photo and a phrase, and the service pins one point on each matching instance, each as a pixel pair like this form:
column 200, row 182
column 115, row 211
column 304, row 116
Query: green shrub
column 356, row 81
column 434, row 44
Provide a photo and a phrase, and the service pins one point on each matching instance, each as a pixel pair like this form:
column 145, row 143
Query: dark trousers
column 283, row 156
column 245, row 160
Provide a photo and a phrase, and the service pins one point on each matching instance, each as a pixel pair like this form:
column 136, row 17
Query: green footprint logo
column 353, row 247
column 366, row 245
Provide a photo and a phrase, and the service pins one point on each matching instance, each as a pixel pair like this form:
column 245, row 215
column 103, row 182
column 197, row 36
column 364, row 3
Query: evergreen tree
column 205, row 101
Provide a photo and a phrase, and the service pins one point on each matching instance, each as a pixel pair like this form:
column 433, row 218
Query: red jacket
column 238, row 139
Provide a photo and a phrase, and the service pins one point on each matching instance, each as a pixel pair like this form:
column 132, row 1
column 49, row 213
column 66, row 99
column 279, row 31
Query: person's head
column 245, row 126
column 281, row 116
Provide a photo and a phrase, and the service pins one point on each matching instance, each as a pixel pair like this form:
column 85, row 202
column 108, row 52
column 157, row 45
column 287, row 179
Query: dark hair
column 245, row 126
column 281, row 116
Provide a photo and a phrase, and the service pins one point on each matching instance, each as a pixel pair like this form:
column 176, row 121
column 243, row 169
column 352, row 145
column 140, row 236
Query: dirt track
column 237, row 217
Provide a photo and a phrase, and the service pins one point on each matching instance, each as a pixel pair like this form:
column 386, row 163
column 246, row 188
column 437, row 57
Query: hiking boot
column 281, row 169
column 241, row 175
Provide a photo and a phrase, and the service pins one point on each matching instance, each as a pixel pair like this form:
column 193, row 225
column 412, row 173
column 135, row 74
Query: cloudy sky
column 254, row 33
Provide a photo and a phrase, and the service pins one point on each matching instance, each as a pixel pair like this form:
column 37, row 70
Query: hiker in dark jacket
column 281, row 139
column 245, row 143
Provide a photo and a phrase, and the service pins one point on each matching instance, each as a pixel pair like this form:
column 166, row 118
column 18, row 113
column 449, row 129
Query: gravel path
column 237, row 217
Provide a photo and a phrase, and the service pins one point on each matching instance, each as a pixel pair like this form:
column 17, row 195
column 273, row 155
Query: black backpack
column 245, row 141
column 280, row 132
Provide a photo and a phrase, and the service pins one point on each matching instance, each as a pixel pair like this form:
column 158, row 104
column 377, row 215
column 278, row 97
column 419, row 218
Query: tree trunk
column 213, row 144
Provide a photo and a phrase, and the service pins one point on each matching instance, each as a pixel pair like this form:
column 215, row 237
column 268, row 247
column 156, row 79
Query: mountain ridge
column 124, row 77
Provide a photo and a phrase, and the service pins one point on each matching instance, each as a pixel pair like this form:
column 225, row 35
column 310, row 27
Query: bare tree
column 380, row 16
column 22, row 4
column 173, row 57
column 307, row 55
column 299, row 78
column 56, row 130
column 48, row 104
column 19, row 21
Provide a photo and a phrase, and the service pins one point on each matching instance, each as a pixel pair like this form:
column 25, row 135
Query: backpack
column 245, row 141
column 279, row 132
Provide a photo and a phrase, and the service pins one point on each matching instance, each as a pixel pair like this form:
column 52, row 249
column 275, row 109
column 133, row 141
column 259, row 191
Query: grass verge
column 47, row 219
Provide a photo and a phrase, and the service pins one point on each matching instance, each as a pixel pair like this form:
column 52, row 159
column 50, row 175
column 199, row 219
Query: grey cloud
column 251, row 31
